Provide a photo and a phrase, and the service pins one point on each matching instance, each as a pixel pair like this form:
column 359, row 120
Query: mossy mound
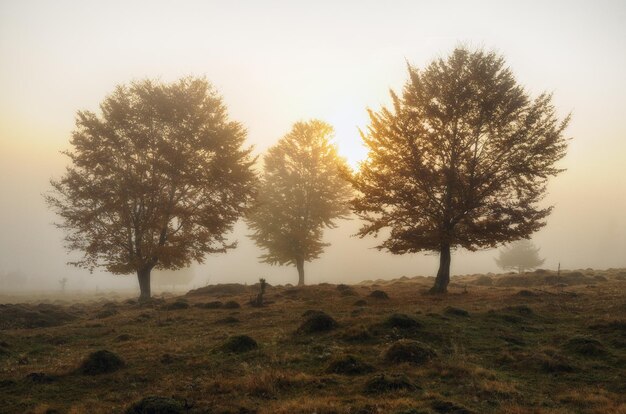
column 586, row 346
column 318, row 322
column 616, row 326
column 239, row 344
column 349, row 365
column 448, row 407
column 401, row 321
column 383, row 383
column 106, row 313
column 379, row 294
column 360, row 302
column 231, row 304
column 42, row 315
column 157, row 405
column 225, row 289
column 452, row 311
column 40, row 378
column 101, row 362
column 483, row 281
column 309, row 312
column 123, row 337
column 357, row 334
column 413, row 352
column 210, row 305
column 229, row 320
column 178, row 305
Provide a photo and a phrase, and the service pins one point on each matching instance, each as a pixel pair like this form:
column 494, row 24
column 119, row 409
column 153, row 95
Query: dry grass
column 512, row 354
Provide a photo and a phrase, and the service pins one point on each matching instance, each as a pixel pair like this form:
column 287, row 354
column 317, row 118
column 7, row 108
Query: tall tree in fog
column 521, row 255
column 303, row 190
column 461, row 160
column 155, row 181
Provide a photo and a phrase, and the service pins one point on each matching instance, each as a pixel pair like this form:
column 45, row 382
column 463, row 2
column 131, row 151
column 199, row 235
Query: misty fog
column 281, row 64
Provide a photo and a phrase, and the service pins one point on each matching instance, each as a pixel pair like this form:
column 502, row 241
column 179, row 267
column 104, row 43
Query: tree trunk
column 143, row 275
column 443, row 275
column 300, row 266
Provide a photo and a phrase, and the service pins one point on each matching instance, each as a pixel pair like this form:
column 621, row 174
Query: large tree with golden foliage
column 303, row 191
column 155, row 181
column 461, row 160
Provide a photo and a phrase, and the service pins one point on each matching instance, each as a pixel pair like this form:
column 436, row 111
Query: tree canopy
column 156, row 180
column 303, row 190
column 521, row 255
column 461, row 159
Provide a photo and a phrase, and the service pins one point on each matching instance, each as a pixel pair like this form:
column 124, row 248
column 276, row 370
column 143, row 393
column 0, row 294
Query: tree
column 155, row 181
column 462, row 160
column 303, row 190
column 520, row 255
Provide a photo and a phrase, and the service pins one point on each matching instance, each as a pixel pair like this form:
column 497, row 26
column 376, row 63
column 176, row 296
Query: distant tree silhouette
column 302, row 191
column 172, row 278
column 461, row 160
column 521, row 255
column 155, row 181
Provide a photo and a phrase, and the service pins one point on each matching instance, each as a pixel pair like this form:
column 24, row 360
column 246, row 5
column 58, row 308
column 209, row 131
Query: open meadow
column 532, row 343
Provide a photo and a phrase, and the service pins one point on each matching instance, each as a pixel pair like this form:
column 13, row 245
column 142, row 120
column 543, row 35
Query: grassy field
column 535, row 343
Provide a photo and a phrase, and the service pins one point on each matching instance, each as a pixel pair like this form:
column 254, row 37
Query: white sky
column 277, row 62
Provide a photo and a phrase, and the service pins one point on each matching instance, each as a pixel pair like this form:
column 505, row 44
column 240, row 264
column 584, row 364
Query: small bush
column 452, row 311
column 413, row 352
column 349, row 365
column 239, row 344
column 401, row 321
column 379, row 294
column 382, row 383
column 318, row 322
column 157, row 405
column 101, row 362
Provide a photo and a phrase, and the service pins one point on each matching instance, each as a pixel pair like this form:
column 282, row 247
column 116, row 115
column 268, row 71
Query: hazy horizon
column 276, row 63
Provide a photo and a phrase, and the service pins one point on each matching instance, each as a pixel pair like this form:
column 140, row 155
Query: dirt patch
column 101, row 362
